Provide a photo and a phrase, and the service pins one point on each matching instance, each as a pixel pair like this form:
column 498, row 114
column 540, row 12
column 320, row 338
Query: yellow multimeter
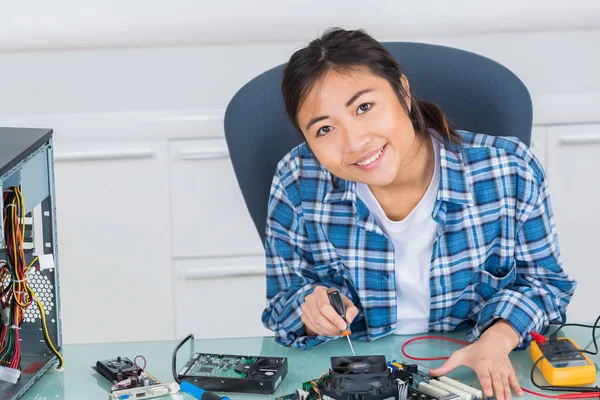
column 570, row 369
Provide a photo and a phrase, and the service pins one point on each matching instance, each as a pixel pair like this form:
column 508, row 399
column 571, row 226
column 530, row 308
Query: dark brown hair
column 344, row 50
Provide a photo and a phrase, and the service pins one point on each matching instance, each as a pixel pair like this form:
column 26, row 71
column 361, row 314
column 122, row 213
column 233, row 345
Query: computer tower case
column 28, row 254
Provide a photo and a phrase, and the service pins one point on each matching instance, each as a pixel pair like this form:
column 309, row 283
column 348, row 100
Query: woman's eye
column 363, row 108
column 324, row 130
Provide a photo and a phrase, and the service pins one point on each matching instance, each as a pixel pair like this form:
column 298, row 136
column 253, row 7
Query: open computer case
column 28, row 261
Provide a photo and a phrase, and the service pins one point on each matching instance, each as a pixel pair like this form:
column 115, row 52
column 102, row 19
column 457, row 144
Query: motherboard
column 374, row 378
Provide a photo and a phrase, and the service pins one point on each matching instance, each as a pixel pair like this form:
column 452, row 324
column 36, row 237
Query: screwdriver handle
column 198, row 392
column 335, row 298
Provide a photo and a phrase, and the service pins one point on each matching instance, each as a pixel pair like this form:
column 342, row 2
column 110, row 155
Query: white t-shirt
column 413, row 239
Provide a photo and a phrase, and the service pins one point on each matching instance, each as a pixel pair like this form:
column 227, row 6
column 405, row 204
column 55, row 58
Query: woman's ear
column 406, row 88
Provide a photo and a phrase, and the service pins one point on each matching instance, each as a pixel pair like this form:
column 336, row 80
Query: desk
column 78, row 381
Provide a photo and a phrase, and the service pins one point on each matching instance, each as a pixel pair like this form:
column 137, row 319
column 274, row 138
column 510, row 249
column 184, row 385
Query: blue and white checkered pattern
column 495, row 256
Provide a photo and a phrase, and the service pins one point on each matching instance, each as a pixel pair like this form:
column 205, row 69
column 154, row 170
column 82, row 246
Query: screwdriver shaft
column 350, row 343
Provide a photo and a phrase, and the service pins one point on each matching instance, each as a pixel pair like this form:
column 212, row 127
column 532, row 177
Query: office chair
column 476, row 93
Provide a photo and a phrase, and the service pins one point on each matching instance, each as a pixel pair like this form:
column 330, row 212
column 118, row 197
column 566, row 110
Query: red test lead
column 537, row 337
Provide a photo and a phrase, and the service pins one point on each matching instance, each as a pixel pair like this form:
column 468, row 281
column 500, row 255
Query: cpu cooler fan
column 361, row 378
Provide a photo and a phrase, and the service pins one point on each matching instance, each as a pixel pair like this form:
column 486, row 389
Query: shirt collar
column 455, row 182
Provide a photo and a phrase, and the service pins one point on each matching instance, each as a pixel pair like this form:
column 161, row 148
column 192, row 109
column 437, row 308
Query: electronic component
column 130, row 381
column 244, row 374
column 563, row 364
column 372, row 378
column 30, row 326
column 231, row 373
column 365, row 376
column 118, row 369
column 145, row 392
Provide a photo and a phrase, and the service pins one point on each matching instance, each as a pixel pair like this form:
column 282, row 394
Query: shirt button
column 388, row 328
column 384, row 276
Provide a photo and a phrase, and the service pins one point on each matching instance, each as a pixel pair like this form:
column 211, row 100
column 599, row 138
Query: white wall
column 556, row 67
column 115, row 55
column 110, row 23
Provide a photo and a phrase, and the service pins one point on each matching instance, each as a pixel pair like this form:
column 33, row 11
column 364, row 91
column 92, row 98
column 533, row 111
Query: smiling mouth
column 371, row 159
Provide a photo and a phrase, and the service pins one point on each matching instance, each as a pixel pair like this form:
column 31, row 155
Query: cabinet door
column 113, row 241
column 574, row 168
column 538, row 144
column 220, row 297
column 209, row 214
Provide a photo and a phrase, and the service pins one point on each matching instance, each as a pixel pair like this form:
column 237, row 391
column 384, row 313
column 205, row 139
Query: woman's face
column 356, row 126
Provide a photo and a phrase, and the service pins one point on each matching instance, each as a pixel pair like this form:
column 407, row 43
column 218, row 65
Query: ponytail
column 427, row 115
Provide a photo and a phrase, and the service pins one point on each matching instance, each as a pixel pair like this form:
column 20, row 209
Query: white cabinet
column 574, row 176
column 538, row 144
column 218, row 257
column 221, row 297
column 209, row 216
column 112, row 205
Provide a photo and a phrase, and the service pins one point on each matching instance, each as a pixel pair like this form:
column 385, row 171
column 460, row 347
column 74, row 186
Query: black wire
column 553, row 338
column 174, row 358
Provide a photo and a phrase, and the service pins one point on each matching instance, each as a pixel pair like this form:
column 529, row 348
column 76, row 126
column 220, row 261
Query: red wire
column 135, row 362
column 429, row 337
column 581, row 395
column 585, row 395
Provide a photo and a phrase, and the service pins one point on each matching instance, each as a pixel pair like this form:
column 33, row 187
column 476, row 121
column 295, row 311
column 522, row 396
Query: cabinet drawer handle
column 223, row 272
column 97, row 155
column 580, row 139
column 204, row 155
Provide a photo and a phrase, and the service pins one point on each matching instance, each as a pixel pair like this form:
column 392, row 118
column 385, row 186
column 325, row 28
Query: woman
column 421, row 227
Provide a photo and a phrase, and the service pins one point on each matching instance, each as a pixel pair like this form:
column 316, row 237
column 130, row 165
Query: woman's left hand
column 488, row 357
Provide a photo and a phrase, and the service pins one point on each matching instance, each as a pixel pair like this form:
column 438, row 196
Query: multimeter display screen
column 562, row 354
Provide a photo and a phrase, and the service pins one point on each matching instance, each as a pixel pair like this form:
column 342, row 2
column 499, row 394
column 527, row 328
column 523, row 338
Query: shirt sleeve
column 541, row 290
column 290, row 274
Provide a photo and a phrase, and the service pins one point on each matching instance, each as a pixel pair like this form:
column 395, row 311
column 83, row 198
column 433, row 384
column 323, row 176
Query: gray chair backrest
column 476, row 93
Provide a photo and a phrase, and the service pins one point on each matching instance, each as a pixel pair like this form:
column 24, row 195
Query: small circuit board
column 129, row 381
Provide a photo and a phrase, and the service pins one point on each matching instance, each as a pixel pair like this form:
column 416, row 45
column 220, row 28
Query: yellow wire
column 16, row 267
column 31, row 263
column 22, row 208
column 13, row 235
column 28, row 290
column 61, row 361
column 319, row 378
column 316, row 389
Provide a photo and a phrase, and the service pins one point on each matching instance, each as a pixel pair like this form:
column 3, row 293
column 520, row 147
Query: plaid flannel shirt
column 495, row 255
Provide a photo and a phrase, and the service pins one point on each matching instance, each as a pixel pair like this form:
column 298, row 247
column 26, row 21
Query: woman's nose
column 356, row 140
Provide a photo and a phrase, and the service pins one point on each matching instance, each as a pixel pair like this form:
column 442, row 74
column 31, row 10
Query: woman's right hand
column 320, row 318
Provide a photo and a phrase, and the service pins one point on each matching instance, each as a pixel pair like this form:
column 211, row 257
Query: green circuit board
column 411, row 378
column 218, row 366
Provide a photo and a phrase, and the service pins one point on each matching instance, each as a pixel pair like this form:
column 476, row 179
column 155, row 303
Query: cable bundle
column 16, row 295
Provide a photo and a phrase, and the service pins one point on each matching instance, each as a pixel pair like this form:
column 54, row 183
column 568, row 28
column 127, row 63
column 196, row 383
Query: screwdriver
column 335, row 298
column 199, row 393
